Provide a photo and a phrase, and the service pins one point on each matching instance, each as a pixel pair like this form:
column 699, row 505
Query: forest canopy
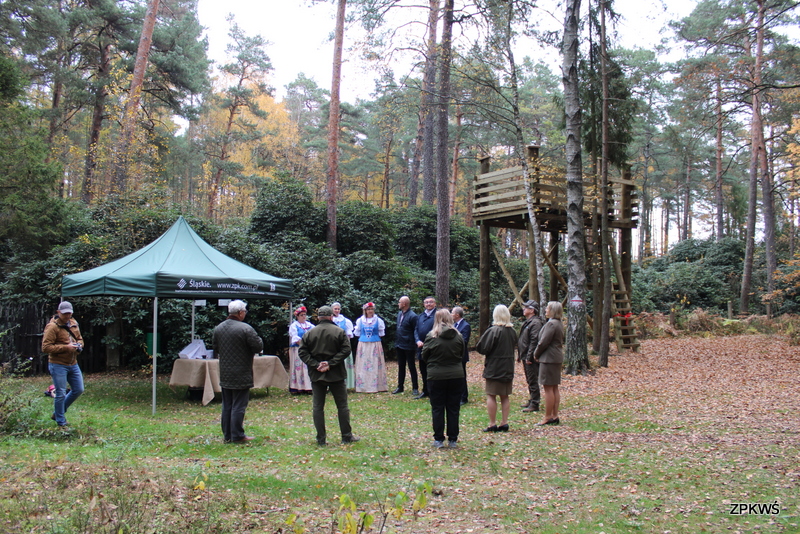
column 102, row 148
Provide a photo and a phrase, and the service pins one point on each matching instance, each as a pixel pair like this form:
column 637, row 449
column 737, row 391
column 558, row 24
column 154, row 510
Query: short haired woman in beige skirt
column 550, row 355
column 498, row 344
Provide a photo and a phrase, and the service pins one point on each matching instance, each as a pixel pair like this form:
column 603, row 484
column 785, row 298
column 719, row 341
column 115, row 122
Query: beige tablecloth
column 268, row 371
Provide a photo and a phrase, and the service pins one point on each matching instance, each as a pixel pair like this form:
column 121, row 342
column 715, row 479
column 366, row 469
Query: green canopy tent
column 179, row 264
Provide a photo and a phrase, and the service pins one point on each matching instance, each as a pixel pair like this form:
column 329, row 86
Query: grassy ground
column 668, row 440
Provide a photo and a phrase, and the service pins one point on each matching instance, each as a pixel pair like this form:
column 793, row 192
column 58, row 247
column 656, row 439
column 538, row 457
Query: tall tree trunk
column 757, row 155
column 119, row 180
column 224, row 154
column 385, row 184
column 687, row 202
column 667, row 212
column 427, row 102
column 525, row 157
column 442, row 162
column 760, row 147
column 98, row 113
column 333, row 124
column 413, row 178
column 604, row 188
column 792, row 216
column 718, row 200
column 454, row 172
column 576, row 359
column 646, row 220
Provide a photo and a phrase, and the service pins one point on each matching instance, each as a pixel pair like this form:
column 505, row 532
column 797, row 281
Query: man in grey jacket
column 324, row 349
column 528, row 339
column 235, row 344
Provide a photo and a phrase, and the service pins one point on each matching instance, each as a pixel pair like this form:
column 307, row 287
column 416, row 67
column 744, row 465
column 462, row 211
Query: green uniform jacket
column 326, row 342
column 529, row 337
column 498, row 344
column 235, row 343
column 551, row 340
column 443, row 354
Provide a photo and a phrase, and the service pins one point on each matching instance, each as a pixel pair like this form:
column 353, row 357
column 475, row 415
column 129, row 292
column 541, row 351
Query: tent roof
column 179, row 264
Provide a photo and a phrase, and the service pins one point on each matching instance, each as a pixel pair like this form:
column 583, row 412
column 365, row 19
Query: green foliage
column 32, row 217
column 178, row 60
column 350, row 521
column 416, row 239
column 361, row 226
column 10, row 80
column 284, row 205
column 416, row 231
column 377, row 280
column 17, row 412
column 695, row 273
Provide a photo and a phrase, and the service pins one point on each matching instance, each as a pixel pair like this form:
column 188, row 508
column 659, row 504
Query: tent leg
column 155, row 349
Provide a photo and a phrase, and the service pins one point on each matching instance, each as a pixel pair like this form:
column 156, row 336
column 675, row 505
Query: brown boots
column 530, row 406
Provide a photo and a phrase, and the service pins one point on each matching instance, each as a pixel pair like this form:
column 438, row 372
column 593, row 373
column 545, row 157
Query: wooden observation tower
column 500, row 202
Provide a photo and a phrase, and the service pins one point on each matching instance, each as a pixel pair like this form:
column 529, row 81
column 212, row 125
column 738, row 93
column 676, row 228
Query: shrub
column 285, row 204
column 701, row 321
column 361, row 226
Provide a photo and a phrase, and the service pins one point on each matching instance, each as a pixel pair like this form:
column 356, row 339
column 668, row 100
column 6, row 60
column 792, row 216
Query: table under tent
column 179, row 264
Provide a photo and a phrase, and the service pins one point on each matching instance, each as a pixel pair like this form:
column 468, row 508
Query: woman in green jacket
column 550, row 355
column 442, row 352
column 498, row 344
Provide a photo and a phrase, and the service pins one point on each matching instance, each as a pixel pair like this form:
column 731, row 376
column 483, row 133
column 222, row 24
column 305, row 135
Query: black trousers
column 465, row 394
column 234, row 404
column 445, row 398
column 423, row 371
column 532, row 378
column 338, row 390
column 406, row 357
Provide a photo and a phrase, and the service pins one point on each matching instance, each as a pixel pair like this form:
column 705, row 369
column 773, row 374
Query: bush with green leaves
column 285, row 205
column 695, row 273
column 361, row 226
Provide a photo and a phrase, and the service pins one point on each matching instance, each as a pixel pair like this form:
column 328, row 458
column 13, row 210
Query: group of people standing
column 442, row 338
column 539, row 347
column 320, row 360
column 367, row 374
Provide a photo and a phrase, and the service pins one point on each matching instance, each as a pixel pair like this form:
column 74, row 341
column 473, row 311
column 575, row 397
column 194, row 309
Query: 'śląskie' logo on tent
column 181, row 283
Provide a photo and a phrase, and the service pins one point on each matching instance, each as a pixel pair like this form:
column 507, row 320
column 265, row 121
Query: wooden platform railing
column 501, row 193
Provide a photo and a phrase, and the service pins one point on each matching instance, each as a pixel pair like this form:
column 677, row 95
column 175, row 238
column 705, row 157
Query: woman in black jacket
column 442, row 352
column 498, row 344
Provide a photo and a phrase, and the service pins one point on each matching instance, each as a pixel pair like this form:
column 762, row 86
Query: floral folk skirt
column 298, row 372
column 370, row 368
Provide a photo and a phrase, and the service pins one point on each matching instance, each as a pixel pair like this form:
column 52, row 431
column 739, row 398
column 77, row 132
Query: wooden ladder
column 621, row 310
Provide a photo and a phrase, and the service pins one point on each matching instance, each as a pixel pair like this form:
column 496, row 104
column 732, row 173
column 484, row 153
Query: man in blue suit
column 424, row 325
column 463, row 326
column 406, row 346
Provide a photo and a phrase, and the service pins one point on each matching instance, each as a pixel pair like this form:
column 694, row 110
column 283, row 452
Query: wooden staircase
column 624, row 324
column 621, row 310
column 623, row 321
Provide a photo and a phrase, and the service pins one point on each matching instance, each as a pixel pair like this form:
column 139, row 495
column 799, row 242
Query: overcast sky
column 300, row 33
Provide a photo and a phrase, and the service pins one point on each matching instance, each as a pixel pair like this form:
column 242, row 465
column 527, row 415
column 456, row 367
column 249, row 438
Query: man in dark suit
column 463, row 326
column 405, row 346
column 424, row 325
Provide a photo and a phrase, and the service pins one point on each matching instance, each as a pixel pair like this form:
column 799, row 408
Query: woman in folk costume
column 347, row 325
column 370, row 365
column 299, row 382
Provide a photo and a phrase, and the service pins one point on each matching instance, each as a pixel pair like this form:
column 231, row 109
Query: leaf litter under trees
column 660, row 441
